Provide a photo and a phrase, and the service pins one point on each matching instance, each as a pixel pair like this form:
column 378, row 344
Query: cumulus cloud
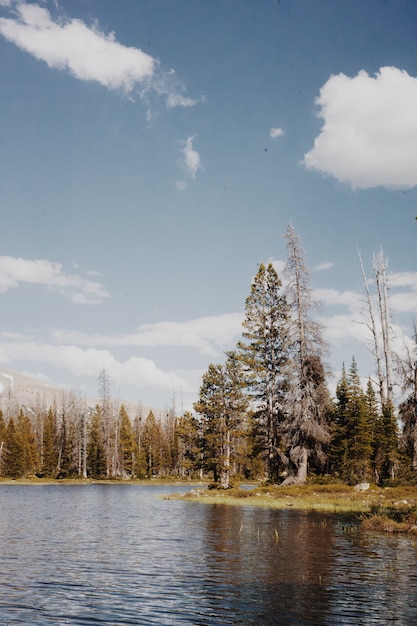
column 369, row 134
column 88, row 53
column 191, row 159
column 403, row 291
column 15, row 271
column 276, row 132
column 136, row 371
column 208, row 335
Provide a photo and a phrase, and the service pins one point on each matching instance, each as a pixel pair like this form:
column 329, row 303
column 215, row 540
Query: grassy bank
column 389, row 509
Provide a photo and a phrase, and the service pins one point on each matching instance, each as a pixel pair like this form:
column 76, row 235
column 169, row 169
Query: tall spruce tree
column 264, row 351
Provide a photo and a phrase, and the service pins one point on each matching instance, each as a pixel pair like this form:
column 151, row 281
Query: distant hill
column 25, row 390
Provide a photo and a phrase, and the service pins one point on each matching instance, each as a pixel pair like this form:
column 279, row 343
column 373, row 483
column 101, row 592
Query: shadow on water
column 277, row 563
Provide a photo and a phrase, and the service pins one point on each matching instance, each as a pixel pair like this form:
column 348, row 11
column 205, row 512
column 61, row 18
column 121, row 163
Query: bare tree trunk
column 301, row 462
column 373, row 328
column 381, row 282
column 224, row 476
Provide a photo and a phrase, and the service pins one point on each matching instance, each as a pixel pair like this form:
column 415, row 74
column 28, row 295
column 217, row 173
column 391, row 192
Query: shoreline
column 388, row 509
column 380, row 509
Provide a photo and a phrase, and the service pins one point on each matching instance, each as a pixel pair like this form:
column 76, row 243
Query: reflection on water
column 116, row 554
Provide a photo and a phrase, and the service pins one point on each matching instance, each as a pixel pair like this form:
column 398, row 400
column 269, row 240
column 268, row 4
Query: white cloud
column 191, row 158
column 136, row 371
column 181, row 185
column 323, row 266
column 88, row 53
column 208, row 335
column 276, row 132
column 279, row 267
column 351, row 299
column 14, row 271
column 369, row 135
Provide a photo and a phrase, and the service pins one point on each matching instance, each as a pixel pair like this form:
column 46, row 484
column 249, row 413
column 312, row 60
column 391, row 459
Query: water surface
column 119, row 554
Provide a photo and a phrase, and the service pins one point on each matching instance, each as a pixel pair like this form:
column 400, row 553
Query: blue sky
column 152, row 154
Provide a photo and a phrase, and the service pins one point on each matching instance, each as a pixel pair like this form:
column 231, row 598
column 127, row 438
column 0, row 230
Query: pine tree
column 49, row 444
column 189, row 444
column 264, row 353
column 339, row 429
column 13, row 453
column 2, row 441
column 222, row 405
column 140, row 461
column 30, row 457
column 352, row 449
column 151, row 442
column 96, row 459
column 128, row 451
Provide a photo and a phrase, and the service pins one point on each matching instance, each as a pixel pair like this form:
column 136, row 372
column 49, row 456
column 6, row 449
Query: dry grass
column 395, row 504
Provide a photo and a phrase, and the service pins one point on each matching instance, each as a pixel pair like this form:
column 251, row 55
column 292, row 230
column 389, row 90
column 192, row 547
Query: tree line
column 265, row 412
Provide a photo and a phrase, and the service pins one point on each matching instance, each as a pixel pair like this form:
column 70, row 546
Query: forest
column 264, row 413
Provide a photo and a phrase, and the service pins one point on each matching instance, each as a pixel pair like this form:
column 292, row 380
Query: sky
column 152, row 155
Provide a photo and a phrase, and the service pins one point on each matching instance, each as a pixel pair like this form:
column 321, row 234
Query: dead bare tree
column 306, row 426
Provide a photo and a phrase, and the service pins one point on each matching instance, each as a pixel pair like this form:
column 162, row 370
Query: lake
column 120, row 554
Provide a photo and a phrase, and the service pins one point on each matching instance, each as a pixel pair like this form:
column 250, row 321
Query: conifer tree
column 140, row 461
column 2, row 441
column 30, row 457
column 49, row 444
column 13, row 452
column 128, row 452
column 222, row 405
column 151, row 442
column 189, row 444
column 96, row 458
column 352, row 449
column 264, row 351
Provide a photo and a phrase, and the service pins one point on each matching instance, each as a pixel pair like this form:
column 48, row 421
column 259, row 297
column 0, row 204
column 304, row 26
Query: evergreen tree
column 189, row 444
column 264, row 353
column 14, row 463
column 96, row 459
column 222, row 406
column 50, row 444
column 339, row 429
column 128, row 452
column 140, row 461
column 352, row 449
column 65, row 444
column 30, row 457
column 2, row 441
column 151, row 442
